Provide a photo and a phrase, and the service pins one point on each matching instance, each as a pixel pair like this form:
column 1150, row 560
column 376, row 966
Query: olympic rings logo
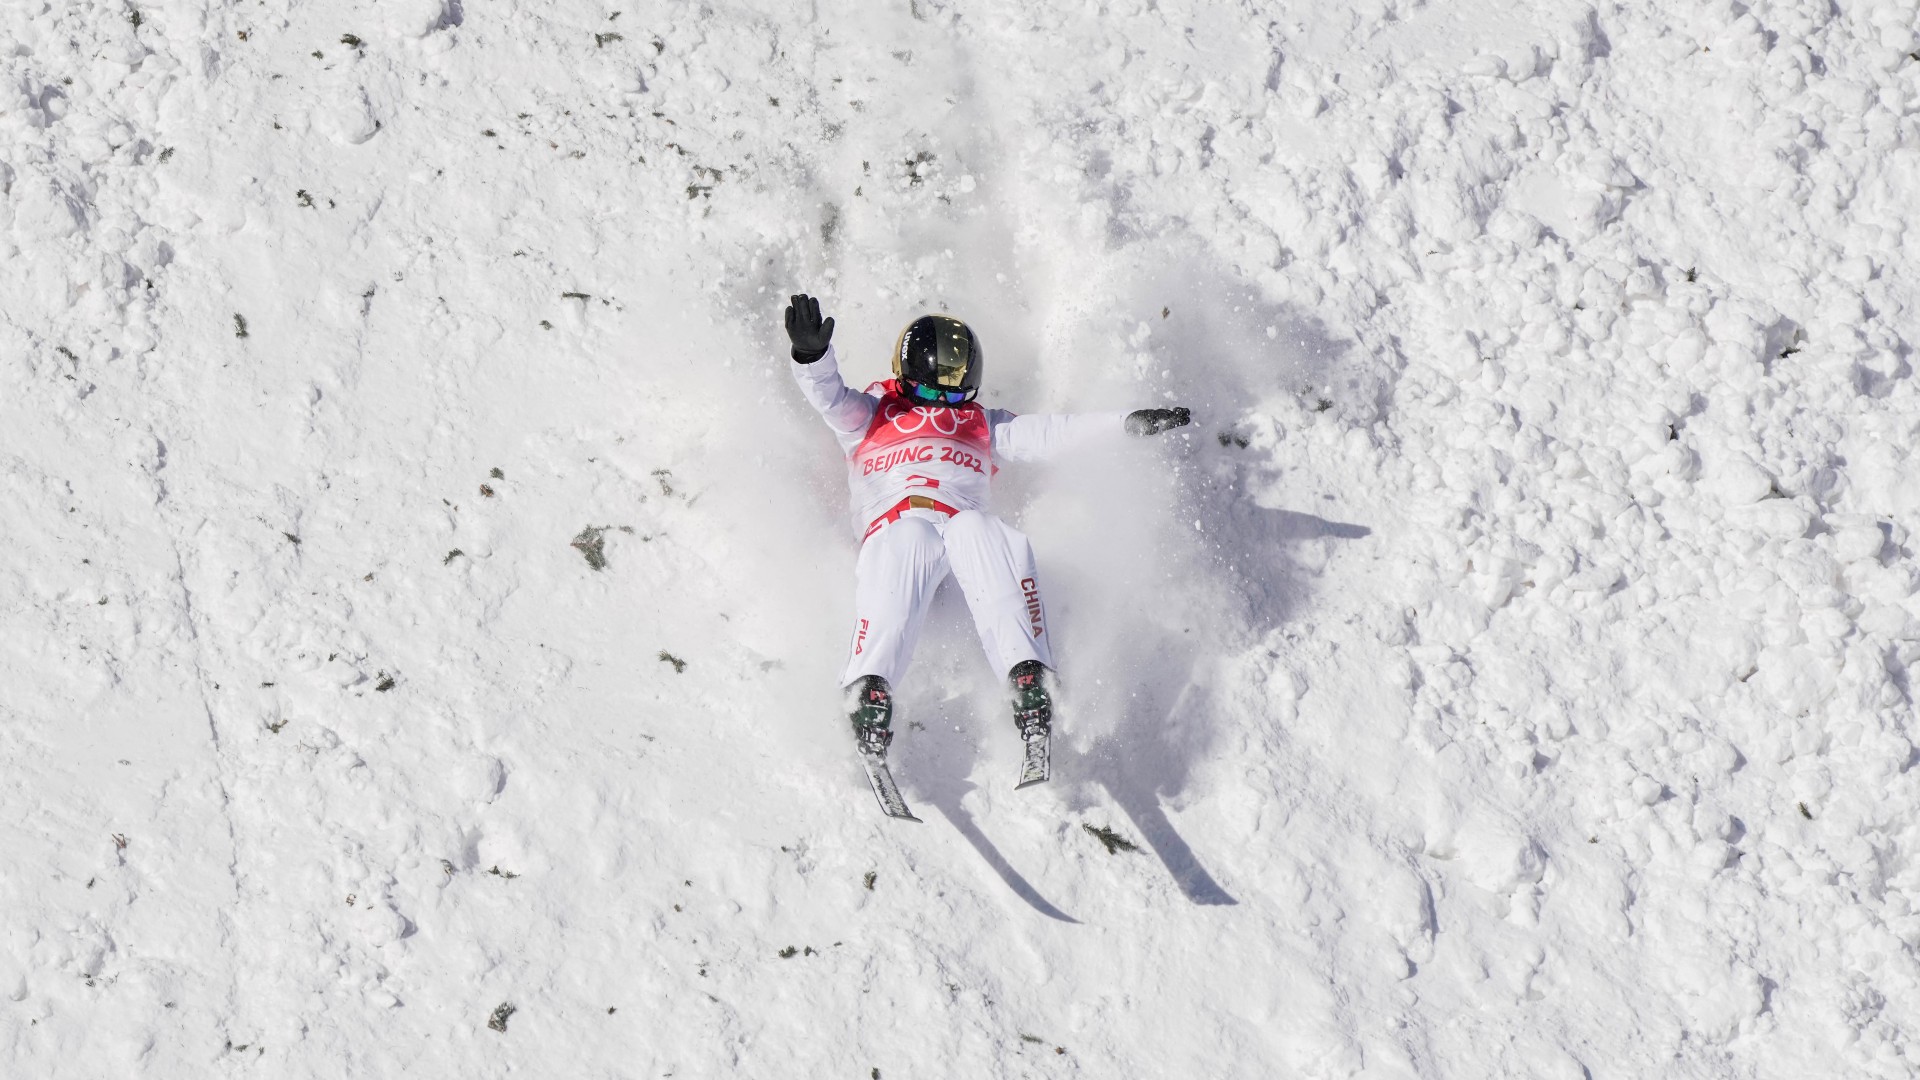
column 909, row 421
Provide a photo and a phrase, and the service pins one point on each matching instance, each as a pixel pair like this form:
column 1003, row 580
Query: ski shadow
column 947, row 743
column 946, row 798
column 1120, row 763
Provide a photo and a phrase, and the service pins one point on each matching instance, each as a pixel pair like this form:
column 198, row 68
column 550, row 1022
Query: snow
column 1511, row 674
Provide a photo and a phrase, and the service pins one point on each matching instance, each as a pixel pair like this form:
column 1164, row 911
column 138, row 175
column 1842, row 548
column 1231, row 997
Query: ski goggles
column 933, row 395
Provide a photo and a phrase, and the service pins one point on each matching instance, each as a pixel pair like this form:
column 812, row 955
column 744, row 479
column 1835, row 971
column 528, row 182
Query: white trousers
column 900, row 567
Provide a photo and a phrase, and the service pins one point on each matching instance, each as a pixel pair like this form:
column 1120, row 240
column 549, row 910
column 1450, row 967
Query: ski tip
column 892, row 804
column 1038, row 766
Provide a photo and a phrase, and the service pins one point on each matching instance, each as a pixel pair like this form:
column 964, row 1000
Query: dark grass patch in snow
column 679, row 665
column 918, row 168
column 498, row 1021
column 1112, row 841
column 592, row 543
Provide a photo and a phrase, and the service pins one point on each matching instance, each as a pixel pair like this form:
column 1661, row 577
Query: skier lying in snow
column 920, row 457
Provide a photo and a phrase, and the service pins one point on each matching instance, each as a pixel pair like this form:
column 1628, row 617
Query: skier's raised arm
column 1034, row 437
column 847, row 411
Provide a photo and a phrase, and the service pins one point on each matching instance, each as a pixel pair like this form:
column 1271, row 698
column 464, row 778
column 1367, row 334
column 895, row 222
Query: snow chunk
column 1778, row 518
column 44, row 212
column 1795, row 679
column 1734, row 479
column 348, row 116
column 1856, row 537
column 415, row 18
column 1496, row 857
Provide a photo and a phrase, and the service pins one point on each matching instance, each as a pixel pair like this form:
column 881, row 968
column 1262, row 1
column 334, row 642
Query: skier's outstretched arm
column 817, row 370
column 1031, row 438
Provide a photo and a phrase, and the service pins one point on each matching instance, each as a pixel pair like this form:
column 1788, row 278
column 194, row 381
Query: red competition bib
column 905, row 433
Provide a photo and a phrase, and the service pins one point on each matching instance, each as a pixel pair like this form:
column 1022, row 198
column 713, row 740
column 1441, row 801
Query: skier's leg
column 894, row 580
column 993, row 562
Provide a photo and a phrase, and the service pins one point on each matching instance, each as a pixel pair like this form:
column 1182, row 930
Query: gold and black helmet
column 938, row 360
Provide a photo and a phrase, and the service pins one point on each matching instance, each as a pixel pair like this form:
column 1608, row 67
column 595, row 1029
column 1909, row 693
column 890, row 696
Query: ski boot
column 871, row 701
column 1033, row 717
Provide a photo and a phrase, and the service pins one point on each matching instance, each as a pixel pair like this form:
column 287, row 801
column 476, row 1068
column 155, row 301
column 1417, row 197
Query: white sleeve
column 847, row 411
column 1032, row 438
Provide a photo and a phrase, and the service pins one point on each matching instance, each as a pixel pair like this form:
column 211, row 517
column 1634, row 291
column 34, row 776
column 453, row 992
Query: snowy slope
column 1511, row 674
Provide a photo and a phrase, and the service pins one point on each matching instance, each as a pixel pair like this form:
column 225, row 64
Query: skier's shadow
column 1139, row 657
column 1162, row 723
column 1156, row 736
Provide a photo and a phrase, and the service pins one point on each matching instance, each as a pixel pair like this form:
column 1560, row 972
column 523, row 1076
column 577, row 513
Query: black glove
column 1155, row 421
column 809, row 335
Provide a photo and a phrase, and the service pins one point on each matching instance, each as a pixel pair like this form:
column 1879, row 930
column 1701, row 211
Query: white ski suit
column 919, row 476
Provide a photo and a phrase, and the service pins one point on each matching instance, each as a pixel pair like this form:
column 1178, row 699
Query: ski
column 1037, row 768
column 891, row 802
